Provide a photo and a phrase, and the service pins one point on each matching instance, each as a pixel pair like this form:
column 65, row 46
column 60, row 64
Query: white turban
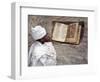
column 38, row 32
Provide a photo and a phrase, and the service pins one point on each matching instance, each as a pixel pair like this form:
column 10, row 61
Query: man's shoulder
column 37, row 46
column 36, row 43
column 49, row 43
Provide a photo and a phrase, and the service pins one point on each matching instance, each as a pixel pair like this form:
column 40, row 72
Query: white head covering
column 38, row 32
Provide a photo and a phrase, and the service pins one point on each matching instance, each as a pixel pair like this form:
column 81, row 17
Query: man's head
column 39, row 34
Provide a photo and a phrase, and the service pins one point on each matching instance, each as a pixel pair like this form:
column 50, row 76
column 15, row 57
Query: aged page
column 72, row 33
column 60, row 32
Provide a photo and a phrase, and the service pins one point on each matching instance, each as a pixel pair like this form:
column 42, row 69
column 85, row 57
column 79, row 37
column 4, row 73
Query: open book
column 69, row 33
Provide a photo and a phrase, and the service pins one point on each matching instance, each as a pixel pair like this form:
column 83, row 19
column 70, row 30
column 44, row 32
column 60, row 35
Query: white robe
column 42, row 54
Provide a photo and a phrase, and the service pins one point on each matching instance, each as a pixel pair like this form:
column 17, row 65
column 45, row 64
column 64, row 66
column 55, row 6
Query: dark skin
column 46, row 38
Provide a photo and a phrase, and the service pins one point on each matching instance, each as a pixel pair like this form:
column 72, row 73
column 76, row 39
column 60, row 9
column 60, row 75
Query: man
column 42, row 52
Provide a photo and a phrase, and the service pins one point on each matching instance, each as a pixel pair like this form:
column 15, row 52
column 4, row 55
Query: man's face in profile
column 46, row 38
